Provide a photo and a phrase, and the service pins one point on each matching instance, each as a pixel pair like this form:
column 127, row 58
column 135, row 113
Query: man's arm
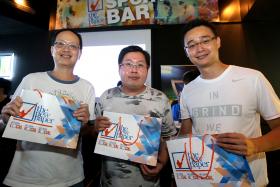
column 271, row 140
column 94, row 126
column 240, row 144
column 2, row 126
column 11, row 109
column 186, row 127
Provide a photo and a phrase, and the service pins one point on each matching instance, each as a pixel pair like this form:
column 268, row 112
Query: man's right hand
column 101, row 123
column 11, row 109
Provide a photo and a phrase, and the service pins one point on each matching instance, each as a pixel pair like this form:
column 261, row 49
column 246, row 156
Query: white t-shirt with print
column 36, row 165
column 232, row 102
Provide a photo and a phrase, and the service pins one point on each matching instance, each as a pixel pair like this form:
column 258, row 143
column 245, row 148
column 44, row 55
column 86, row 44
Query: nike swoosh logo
column 236, row 80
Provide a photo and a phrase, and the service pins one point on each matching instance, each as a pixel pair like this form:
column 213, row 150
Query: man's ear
column 80, row 54
column 52, row 50
column 119, row 70
column 218, row 42
column 187, row 53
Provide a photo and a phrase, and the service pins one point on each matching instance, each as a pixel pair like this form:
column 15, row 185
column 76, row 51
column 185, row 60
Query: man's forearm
column 186, row 127
column 163, row 152
column 268, row 142
column 2, row 126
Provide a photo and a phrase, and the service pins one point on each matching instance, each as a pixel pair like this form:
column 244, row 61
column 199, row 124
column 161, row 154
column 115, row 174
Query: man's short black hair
column 196, row 23
column 55, row 33
column 6, row 84
column 119, row 83
column 134, row 48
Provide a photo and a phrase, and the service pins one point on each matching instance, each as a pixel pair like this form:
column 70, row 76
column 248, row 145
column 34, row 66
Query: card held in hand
column 198, row 161
column 45, row 119
column 130, row 137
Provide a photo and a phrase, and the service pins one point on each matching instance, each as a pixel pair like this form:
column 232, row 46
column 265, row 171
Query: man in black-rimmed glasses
column 227, row 101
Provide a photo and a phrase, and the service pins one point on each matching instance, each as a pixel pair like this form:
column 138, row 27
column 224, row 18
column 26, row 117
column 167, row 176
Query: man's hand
column 101, row 123
column 151, row 171
column 163, row 157
column 11, row 109
column 236, row 143
column 82, row 113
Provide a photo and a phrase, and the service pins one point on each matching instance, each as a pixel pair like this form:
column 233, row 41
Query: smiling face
column 202, row 46
column 66, row 50
column 133, row 71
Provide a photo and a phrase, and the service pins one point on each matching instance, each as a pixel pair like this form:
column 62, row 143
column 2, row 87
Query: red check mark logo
column 107, row 131
column 23, row 113
column 94, row 5
column 180, row 163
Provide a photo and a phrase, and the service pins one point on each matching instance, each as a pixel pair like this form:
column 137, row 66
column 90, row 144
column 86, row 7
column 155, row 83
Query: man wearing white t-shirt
column 228, row 101
column 36, row 165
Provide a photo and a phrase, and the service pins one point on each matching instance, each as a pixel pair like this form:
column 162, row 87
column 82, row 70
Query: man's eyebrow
column 200, row 37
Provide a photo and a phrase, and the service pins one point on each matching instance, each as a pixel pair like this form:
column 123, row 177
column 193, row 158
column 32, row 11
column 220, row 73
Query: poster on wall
column 172, row 79
column 208, row 9
column 98, row 13
column 174, row 11
column 6, row 65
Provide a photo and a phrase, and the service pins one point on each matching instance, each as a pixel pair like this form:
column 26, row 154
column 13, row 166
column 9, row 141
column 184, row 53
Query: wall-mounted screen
column 6, row 65
column 99, row 60
column 172, row 79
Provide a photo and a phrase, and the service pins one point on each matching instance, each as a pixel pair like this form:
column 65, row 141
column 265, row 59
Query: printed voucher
column 130, row 137
column 198, row 161
column 45, row 119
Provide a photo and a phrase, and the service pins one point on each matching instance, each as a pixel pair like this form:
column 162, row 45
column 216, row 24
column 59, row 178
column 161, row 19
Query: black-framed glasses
column 63, row 44
column 204, row 42
column 131, row 65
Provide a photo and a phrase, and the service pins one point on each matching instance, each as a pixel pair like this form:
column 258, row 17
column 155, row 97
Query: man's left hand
column 236, row 143
column 82, row 113
column 151, row 171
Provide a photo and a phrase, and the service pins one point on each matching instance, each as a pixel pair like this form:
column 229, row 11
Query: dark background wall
column 31, row 53
column 253, row 45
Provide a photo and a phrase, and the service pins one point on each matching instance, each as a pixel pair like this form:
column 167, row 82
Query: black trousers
column 7, row 151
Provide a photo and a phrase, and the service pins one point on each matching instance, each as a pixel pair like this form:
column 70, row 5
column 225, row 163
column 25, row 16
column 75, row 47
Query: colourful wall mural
column 100, row 13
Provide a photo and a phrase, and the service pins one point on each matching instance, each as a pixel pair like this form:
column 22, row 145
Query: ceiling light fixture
column 23, row 5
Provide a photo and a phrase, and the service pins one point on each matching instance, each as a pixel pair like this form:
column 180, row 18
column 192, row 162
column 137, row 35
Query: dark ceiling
column 264, row 11
column 11, row 26
column 15, row 21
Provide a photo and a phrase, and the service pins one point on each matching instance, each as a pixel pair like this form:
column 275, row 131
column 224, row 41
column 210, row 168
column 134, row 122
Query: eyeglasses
column 130, row 65
column 62, row 44
column 204, row 42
